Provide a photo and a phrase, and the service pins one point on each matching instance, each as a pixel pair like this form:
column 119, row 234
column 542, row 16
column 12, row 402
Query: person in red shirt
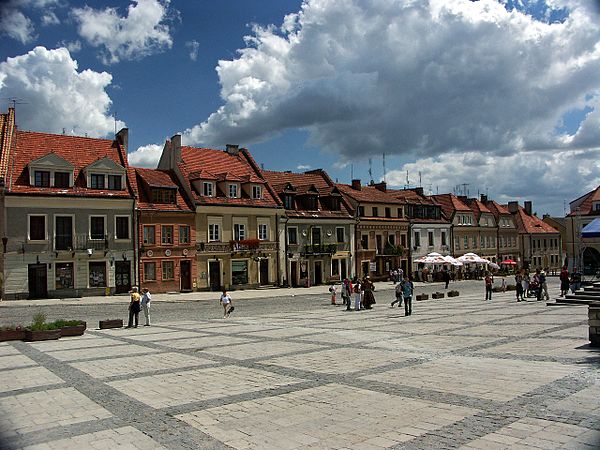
column 489, row 282
column 564, row 281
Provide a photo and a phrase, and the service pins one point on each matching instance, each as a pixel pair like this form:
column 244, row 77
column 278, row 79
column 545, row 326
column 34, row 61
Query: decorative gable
column 105, row 165
column 51, row 161
column 51, row 170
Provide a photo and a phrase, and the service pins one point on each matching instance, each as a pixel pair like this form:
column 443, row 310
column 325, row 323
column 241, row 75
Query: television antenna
column 15, row 101
column 384, row 168
column 371, row 171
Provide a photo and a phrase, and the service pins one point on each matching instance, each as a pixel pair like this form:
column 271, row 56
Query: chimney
column 484, row 198
column 528, row 207
column 176, row 148
column 382, row 186
column 232, row 149
column 123, row 138
column 546, row 216
column 356, row 185
column 419, row 191
column 463, row 198
column 513, row 207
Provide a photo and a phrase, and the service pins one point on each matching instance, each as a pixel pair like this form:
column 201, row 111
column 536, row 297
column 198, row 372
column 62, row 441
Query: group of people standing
column 139, row 303
column 359, row 290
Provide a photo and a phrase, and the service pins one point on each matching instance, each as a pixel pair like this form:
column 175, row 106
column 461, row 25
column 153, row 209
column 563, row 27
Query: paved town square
column 459, row 373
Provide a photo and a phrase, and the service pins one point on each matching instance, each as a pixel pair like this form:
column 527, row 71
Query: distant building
column 539, row 243
column 166, row 232
column 583, row 252
column 507, row 240
column 69, row 214
column 237, row 215
column 382, row 241
column 318, row 228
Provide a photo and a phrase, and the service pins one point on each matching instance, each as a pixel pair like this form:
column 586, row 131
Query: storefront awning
column 592, row 229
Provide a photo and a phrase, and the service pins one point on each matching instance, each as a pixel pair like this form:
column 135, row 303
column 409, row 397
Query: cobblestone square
column 458, row 373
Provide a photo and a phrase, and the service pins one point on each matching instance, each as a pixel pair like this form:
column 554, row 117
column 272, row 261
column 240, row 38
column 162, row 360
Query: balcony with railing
column 244, row 246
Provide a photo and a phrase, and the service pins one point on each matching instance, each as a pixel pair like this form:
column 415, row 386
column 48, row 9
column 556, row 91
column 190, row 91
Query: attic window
column 114, row 182
column 311, row 202
column 42, row 178
column 288, row 201
column 61, row 179
column 163, row 196
column 97, row 181
column 257, row 192
column 335, row 203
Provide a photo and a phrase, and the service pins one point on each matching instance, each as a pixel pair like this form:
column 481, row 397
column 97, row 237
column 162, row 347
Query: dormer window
column 207, row 189
column 97, row 181
column 288, row 201
column 335, row 203
column 42, row 178
column 257, row 192
column 163, row 196
column 311, row 202
column 114, row 182
column 233, row 191
column 62, row 179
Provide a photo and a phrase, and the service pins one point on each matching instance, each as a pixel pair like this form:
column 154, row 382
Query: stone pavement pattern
column 459, row 373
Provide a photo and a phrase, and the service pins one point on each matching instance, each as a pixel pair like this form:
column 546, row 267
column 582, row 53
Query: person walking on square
column 146, row 298
column 347, row 293
column 398, row 290
column 519, row 286
column 333, row 291
column 369, row 298
column 134, row 308
column 407, row 293
column 357, row 295
column 564, row 281
column 446, row 278
column 526, row 281
column 489, row 282
column 227, row 304
column 544, row 286
column 537, row 281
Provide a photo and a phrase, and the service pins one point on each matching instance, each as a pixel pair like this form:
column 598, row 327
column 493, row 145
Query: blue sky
column 501, row 95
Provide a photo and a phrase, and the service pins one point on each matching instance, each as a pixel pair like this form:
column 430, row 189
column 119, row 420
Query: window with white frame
column 257, row 192
column 263, row 231
column 233, row 190
column 97, row 181
column 207, row 189
column 149, row 231
column 115, row 182
column 417, row 239
column 42, row 178
column 239, row 231
column 37, row 227
column 214, row 232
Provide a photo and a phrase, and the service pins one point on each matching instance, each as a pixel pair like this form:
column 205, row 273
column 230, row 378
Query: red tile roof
column 210, row 164
column 370, row 194
column 303, row 183
column 79, row 151
column 531, row 224
column 450, row 203
column 477, row 207
column 586, row 207
column 497, row 209
column 141, row 179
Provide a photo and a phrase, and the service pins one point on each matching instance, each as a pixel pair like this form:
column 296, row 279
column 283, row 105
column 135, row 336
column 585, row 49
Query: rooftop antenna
column 351, row 172
column 371, row 171
column 115, row 117
column 15, row 101
column 407, row 182
column 64, row 131
column 262, row 166
column 420, row 185
column 437, row 190
column 384, row 168
column 564, row 207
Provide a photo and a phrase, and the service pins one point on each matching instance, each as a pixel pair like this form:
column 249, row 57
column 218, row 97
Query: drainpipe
column 136, row 245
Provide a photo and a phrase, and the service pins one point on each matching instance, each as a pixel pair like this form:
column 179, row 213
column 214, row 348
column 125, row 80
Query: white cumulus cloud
column 413, row 77
column 146, row 156
column 142, row 32
column 14, row 24
column 56, row 94
column 50, row 18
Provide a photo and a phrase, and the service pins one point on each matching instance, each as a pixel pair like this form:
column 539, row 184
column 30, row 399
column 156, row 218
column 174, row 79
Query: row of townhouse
column 78, row 220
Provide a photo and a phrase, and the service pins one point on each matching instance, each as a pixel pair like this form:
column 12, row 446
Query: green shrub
column 61, row 323
column 39, row 323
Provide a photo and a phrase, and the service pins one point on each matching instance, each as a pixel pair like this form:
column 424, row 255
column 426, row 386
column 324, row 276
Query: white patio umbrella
column 472, row 258
column 453, row 261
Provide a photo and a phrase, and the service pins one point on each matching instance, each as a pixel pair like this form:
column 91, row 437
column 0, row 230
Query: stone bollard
column 594, row 323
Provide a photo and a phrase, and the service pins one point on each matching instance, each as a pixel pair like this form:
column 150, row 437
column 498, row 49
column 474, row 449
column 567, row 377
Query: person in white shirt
column 146, row 298
column 227, row 304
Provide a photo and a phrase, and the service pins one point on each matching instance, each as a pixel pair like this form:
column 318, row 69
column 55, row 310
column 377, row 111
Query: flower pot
column 113, row 323
column 421, row 297
column 453, row 294
column 437, row 295
column 41, row 335
column 12, row 335
column 75, row 330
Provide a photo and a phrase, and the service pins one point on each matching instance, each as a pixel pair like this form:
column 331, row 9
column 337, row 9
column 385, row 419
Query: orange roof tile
column 531, row 224
column 141, row 179
column 586, row 207
column 240, row 167
column 79, row 151
column 450, row 203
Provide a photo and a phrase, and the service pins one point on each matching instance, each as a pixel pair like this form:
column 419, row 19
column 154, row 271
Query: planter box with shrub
column 453, row 294
column 42, row 335
column 71, row 327
column 437, row 295
column 421, row 297
column 112, row 323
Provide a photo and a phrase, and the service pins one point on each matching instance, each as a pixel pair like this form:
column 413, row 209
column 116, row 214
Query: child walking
column 227, row 304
